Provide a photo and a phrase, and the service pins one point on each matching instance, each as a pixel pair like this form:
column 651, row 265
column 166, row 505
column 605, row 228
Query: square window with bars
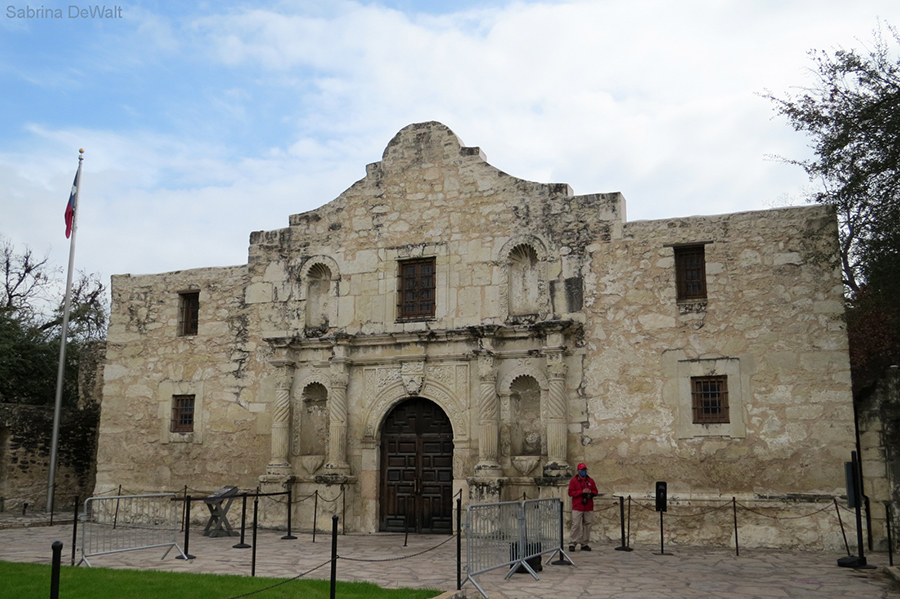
column 182, row 414
column 416, row 294
column 188, row 312
column 709, row 399
column 690, row 272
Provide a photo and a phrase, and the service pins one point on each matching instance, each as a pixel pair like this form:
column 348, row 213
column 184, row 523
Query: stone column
column 279, row 464
column 489, row 418
column 336, row 461
column 557, row 430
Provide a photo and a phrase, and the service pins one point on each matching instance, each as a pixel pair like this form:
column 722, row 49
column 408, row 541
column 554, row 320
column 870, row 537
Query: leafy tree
column 852, row 116
column 31, row 311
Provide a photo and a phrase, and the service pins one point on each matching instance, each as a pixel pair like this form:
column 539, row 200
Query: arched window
column 525, row 414
column 524, row 281
column 318, row 291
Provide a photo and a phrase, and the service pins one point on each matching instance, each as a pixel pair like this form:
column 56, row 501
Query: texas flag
column 70, row 207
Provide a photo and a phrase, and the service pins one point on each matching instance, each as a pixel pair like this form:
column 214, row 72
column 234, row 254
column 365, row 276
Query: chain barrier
column 283, row 582
column 402, row 557
column 752, row 511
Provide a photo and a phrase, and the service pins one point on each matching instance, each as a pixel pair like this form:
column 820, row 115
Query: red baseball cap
column 582, row 467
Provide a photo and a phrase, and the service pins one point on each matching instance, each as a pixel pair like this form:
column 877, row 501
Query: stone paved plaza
column 696, row 573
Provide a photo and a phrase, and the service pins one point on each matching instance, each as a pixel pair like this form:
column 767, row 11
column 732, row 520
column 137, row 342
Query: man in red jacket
column 582, row 490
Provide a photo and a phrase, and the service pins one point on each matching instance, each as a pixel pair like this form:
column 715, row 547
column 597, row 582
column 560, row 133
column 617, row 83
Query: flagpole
column 60, row 374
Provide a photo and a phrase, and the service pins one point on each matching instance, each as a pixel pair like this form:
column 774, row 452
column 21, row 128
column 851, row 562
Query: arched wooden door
column 417, row 469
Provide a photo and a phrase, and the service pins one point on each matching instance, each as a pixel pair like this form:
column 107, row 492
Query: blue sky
column 202, row 123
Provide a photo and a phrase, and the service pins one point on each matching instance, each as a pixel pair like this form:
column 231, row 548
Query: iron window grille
column 416, row 289
column 189, row 313
column 690, row 272
column 709, row 399
column 182, row 414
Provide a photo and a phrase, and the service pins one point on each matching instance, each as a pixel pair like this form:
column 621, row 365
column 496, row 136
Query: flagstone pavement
column 429, row 561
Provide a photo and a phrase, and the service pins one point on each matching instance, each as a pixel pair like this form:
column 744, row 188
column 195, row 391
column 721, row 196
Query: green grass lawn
column 32, row 581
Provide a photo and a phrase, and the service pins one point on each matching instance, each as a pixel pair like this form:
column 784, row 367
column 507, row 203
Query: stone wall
column 25, row 438
column 148, row 362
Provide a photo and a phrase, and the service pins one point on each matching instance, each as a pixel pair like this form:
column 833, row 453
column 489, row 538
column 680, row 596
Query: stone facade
column 551, row 332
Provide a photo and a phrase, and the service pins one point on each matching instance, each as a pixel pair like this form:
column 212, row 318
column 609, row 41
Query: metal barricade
column 509, row 534
column 128, row 523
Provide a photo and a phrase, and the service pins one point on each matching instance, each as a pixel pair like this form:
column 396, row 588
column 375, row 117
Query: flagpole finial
column 81, row 150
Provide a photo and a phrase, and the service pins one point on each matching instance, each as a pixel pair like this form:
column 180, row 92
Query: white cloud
column 285, row 106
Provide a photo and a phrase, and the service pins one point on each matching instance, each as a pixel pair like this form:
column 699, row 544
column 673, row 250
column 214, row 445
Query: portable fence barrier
column 513, row 534
column 128, row 523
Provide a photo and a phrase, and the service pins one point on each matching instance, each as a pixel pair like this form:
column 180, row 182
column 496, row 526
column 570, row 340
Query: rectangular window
column 416, row 293
column 690, row 272
column 182, row 414
column 188, row 312
column 709, row 399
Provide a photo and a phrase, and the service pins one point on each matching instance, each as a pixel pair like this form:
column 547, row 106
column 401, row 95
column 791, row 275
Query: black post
column 74, row 530
column 315, row 512
column 624, row 546
column 289, row 536
column 406, row 528
column 253, row 559
column 662, row 546
column 183, row 506
column 854, row 498
column 187, row 529
column 562, row 561
column 242, row 544
column 459, row 542
column 54, row 572
column 737, row 549
column 343, row 507
column 334, row 528
column 661, row 507
column 888, row 516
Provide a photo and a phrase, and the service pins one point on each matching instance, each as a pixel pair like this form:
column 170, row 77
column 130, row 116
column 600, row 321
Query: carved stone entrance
column 416, row 469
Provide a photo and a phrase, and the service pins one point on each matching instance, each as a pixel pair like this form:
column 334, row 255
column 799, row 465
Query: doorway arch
column 416, row 469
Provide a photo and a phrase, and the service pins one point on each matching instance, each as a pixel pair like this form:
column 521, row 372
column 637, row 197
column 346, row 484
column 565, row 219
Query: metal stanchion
column 255, row 508
column 54, row 572
column 74, row 530
column 242, row 544
column 289, row 536
column 624, row 546
column 315, row 512
column 854, row 499
column 187, row 530
column 406, row 528
column 459, row 543
column 888, row 515
column 183, row 506
column 562, row 561
column 737, row 548
column 334, row 528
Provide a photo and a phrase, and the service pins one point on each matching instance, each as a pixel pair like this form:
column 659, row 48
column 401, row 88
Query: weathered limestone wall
column 772, row 323
column 148, row 362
